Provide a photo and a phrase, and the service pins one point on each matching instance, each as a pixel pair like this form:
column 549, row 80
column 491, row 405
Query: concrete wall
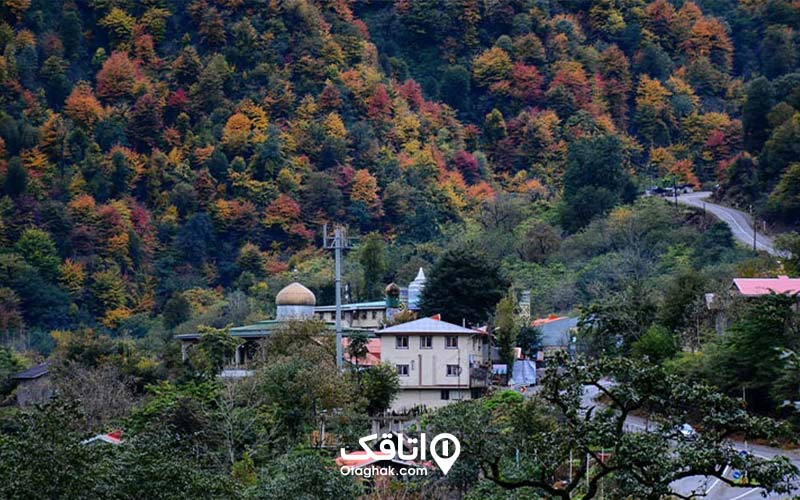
column 428, row 367
column 364, row 318
column 431, row 398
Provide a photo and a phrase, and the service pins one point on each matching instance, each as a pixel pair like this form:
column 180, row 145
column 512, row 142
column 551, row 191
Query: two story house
column 437, row 362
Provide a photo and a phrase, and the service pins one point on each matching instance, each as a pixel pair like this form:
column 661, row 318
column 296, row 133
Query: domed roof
column 295, row 294
column 392, row 289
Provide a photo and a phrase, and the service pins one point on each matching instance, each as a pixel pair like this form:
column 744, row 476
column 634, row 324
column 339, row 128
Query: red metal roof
column 752, row 287
column 373, row 356
column 113, row 437
column 548, row 319
column 363, row 458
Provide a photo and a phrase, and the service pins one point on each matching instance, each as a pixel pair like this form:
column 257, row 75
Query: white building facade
column 437, row 362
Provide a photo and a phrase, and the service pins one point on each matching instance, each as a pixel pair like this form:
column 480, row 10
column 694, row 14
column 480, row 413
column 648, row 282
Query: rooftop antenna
column 337, row 242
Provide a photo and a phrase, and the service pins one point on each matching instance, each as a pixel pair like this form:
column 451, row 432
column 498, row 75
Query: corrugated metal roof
column 428, row 325
column 765, row 286
column 33, row 372
column 556, row 332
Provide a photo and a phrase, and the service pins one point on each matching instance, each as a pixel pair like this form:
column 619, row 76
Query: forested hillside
column 699, row 91
column 163, row 161
column 166, row 167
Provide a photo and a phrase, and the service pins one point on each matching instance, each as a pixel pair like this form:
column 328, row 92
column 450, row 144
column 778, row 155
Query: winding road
column 709, row 488
column 739, row 222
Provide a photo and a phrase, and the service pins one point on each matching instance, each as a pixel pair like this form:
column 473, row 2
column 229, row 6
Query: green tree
column 251, row 260
column 506, row 331
column 536, row 240
column 380, row 385
column 684, row 289
column 464, row 285
column 208, row 92
column 713, row 244
column 529, row 340
column 147, row 465
column 176, row 310
column 778, row 51
column 372, row 257
column 38, row 250
column 357, row 346
column 455, row 87
column 780, row 151
column 304, row 475
column 494, row 127
column 161, row 465
column 747, row 359
column 16, row 181
column 784, row 201
column 787, row 387
column 612, row 323
column 594, row 181
column 10, row 364
column 528, row 444
column 754, row 114
column 302, row 385
column 48, row 440
column 107, row 290
column 656, row 345
column 790, row 243
column 217, row 347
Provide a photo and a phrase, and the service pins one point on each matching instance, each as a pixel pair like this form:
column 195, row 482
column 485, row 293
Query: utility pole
column 675, row 191
column 753, row 215
column 337, row 243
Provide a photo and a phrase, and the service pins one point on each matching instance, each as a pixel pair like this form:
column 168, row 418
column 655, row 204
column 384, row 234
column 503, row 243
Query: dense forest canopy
column 166, row 167
column 159, row 147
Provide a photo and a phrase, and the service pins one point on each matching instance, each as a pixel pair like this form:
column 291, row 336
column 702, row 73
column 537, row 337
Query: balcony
column 479, row 376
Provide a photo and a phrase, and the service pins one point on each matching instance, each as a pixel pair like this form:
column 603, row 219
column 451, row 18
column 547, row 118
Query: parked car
column 687, row 431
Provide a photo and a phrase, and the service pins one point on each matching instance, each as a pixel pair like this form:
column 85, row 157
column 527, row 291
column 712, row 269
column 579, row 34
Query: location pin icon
column 448, row 457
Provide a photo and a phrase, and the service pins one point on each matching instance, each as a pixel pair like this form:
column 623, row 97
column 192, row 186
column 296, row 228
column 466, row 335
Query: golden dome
column 295, row 294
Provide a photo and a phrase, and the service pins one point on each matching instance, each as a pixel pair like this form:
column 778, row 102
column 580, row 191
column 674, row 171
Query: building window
column 426, row 342
column 401, row 342
column 402, row 370
column 445, row 394
column 453, row 370
column 451, row 342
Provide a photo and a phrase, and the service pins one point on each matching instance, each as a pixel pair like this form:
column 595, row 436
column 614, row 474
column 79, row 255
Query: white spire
column 415, row 290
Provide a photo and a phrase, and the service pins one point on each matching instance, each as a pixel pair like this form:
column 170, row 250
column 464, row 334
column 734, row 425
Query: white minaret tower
column 415, row 290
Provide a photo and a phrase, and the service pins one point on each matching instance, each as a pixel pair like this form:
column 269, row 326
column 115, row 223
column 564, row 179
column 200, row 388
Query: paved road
column 739, row 222
column 709, row 488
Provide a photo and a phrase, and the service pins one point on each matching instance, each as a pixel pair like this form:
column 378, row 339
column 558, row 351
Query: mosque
column 436, row 362
column 295, row 302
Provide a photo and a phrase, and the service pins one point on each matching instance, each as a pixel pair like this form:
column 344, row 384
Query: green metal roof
column 266, row 327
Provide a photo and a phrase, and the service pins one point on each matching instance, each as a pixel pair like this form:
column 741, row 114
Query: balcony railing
column 479, row 376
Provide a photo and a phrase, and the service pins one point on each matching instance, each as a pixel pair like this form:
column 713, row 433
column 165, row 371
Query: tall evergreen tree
column 464, row 285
